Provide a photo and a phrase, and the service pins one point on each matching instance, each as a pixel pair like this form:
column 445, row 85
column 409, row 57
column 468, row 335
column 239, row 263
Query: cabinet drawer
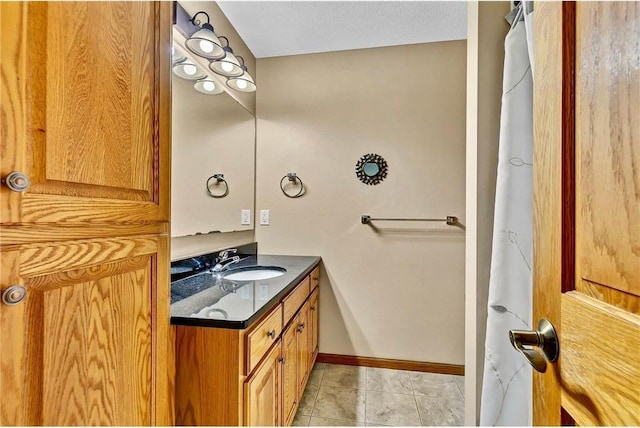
column 295, row 299
column 315, row 277
column 260, row 339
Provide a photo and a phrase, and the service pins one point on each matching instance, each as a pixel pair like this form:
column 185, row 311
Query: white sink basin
column 254, row 273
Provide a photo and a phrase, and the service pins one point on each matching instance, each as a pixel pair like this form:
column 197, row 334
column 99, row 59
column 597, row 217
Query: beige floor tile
column 327, row 422
column 435, row 385
column 339, row 403
column 344, row 376
column 308, row 400
column 319, row 366
column 440, row 411
column 460, row 382
column 301, row 420
column 391, row 409
column 315, row 378
column 387, row 380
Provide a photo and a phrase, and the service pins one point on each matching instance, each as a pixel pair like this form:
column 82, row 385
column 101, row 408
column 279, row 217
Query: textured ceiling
column 277, row 28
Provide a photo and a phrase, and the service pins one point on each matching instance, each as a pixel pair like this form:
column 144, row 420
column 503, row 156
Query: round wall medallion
column 371, row 169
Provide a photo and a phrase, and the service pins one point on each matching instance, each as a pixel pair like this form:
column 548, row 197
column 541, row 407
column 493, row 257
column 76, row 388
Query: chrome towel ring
column 292, row 178
column 219, row 179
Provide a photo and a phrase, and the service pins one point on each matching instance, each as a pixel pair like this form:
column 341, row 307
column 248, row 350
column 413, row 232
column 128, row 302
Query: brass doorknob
column 17, row 181
column 544, row 338
column 13, row 295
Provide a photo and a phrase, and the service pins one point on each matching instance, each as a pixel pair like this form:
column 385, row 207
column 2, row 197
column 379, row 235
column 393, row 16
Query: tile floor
column 338, row 395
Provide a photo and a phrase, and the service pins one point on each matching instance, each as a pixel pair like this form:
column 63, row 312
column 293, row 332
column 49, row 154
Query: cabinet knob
column 17, row 181
column 313, row 308
column 271, row 334
column 300, row 327
column 13, row 295
column 282, row 360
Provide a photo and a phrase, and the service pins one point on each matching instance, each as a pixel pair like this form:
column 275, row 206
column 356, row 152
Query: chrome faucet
column 224, row 260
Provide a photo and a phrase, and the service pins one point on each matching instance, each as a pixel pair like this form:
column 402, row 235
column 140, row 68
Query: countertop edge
column 242, row 325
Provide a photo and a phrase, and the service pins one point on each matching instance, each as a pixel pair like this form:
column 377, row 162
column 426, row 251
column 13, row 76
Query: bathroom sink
column 253, row 273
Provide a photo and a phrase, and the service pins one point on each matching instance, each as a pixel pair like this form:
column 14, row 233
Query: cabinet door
column 290, row 372
column 85, row 95
column 89, row 343
column 313, row 324
column 263, row 392
column 303, row 359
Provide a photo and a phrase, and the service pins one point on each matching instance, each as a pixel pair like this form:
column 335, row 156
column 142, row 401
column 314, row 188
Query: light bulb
column 206, row 46
column 190, row 69
column 227, row 66
column 208, row 86
column 242, row 84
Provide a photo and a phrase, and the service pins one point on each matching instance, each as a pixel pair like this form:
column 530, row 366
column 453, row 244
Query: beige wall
column 486, row 31
column 200, row 244
column 398, row 293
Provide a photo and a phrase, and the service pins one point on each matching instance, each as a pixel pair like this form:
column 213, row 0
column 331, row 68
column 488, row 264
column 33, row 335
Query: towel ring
column 219, row 179
column 292, row 177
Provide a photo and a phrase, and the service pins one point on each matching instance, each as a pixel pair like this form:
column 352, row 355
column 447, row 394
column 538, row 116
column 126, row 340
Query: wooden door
column 85, row 114
column 303, row 359
column 313, row 325
column 587, row 210
column 290, row 372
column 262, row 392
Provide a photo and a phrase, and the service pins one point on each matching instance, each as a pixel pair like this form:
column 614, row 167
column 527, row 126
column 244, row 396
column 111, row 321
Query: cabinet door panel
column 86, row 85
column 313, row 323
column 262, row 392
column 290, row 372
column 303, row 347
column 84, row 346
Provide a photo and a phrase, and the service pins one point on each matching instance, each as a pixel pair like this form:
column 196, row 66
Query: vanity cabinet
column 255, row 376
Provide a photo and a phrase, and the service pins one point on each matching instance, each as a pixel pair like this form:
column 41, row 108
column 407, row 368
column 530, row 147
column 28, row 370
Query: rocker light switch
column 245, row 217
column 264, row 217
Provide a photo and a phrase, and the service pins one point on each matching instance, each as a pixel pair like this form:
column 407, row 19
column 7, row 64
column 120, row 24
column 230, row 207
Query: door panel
column 80, row 348
column 87, row 128
column 262, row 392
column 587, row 210
column 608, row 145
column 303, row 343
column 289, row 373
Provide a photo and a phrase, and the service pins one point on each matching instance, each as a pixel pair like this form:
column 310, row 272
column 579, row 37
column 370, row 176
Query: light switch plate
column 264, row 217
column 245, row 217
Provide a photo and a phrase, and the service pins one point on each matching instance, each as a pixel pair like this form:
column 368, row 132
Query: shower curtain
column 506, row 388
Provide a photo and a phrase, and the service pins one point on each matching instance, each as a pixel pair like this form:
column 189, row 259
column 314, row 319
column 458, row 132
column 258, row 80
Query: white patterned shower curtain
column 506, row 387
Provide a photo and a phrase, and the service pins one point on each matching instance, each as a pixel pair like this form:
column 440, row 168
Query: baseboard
column 385, row 363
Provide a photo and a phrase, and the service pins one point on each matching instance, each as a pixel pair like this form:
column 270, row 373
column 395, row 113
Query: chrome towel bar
column 450, row 220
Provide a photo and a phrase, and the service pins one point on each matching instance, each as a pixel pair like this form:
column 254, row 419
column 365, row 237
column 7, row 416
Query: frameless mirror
column 212, row 153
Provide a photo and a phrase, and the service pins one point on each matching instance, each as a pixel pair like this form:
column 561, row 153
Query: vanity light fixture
column 204, row 42
column 176, row 55
column 208, row 86
column 243, row 83
column 229, row 66
column 188, row 70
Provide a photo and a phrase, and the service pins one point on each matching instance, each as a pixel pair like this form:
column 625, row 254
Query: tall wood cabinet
column 85, row 103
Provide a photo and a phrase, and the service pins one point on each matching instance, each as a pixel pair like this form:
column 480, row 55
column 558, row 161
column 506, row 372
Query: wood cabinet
column 314, row 331
column 263, row 390
column 85, row 106
column 226, row 376
column 289, row 373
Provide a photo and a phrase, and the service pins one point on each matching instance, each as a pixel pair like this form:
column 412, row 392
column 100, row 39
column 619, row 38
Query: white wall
column 486, row 30
column 398, row 293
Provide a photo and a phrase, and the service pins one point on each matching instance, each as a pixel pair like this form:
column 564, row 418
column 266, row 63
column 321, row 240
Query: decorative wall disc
column 371, row 169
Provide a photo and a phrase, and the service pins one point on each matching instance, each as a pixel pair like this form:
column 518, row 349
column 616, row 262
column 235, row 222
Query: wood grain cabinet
column 252, row 377
column 85, row 116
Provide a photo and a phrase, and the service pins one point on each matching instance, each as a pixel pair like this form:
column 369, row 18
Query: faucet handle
column 225, row 253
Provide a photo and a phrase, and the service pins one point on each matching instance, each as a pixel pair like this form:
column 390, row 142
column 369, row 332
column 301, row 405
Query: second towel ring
column 292, row 177
column 219, row 179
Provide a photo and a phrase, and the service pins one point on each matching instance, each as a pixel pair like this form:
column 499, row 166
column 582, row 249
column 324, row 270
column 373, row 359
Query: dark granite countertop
column 207, row 300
